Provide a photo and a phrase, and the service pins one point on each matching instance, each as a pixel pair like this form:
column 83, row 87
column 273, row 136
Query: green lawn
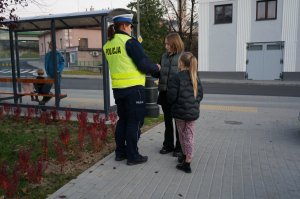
column 81, row 72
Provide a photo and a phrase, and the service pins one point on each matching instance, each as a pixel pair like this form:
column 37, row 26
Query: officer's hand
column 158, row 65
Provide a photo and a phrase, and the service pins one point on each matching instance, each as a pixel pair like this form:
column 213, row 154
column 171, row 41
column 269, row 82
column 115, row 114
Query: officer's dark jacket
column 169, row 67
column 181, row 97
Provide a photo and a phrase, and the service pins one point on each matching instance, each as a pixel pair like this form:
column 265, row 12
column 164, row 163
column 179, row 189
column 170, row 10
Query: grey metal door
column 255, row 61
column 264, row 61
column 273, row 60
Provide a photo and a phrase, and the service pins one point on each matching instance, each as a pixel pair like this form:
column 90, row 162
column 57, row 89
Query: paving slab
column 238, row 154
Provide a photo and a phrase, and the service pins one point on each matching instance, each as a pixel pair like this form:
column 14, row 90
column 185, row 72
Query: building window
column 266, row 10
column 223, row 14
column 83, row 43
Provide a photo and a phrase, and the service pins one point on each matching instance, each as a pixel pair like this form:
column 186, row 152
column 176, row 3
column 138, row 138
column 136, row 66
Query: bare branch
column 8, row 7
column 182, row 15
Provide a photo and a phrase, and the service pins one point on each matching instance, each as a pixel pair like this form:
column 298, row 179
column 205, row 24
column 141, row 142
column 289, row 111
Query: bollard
column 151, row 92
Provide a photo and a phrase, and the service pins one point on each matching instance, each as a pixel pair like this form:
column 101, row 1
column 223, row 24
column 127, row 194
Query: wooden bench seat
column 28, row 80
column 27, row 87
column 33, row 94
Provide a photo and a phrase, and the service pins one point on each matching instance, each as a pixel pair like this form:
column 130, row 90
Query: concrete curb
column 253, row 82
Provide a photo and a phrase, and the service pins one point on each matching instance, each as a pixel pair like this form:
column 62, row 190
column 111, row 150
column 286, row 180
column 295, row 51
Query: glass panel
column 223, row 14
column 218, row 14
column 261, row 8
column 5, row 64
column 271, row 10
column 228, row 14
column 273, row 47
column 219, row 10
column 255, row 47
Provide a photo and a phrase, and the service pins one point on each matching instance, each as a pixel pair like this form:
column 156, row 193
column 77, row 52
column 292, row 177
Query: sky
column 68, row 6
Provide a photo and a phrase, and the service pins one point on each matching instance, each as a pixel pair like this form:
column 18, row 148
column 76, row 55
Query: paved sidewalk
column 239, row 153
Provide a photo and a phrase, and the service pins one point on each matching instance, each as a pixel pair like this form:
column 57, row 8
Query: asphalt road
column 82, row 83
column 209, row 87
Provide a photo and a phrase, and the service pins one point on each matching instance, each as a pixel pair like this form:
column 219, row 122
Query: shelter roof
column 64, row 21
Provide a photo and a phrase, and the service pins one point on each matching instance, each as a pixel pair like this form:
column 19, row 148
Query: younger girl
column 185, row 94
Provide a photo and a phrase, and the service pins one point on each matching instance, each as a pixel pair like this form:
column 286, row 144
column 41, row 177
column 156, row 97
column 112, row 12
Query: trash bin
column 151, row 91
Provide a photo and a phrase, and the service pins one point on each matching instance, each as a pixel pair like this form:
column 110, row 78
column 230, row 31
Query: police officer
column 128, row 67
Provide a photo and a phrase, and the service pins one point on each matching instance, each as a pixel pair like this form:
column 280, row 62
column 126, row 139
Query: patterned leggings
column 186, row 131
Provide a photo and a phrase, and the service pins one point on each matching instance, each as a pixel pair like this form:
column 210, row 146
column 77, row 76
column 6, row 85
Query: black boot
column 177, row 153
column 181, row 158
column 185, row 166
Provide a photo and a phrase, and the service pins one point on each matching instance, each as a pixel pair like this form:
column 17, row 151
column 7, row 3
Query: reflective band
column 131, row 75
column 118, row 83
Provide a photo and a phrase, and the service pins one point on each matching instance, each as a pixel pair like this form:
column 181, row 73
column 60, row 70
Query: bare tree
column 182, row 15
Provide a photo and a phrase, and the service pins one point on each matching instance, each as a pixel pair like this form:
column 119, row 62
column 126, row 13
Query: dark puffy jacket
column 181, row 97
column 169, row 67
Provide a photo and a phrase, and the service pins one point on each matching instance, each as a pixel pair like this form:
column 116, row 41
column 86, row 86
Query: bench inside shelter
column 28, row 88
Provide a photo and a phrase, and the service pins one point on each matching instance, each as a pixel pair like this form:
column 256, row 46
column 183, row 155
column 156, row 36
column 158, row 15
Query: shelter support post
column 54, row 58
column 13, row 64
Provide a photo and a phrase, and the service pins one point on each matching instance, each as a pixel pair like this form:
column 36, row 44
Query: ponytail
column 112, row 29
column 190, row 61
column 193, row 74
column 111, row 32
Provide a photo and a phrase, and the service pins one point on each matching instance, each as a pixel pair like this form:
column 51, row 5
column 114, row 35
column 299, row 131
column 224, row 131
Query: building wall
column 290, row 28
column 222, row 40
column 203, row 39
column 244, row 16
column 266, row 30
column 222, row 47
column 94, row 37
column 69, row 38
column 297, row 68
column 46, row 38
column 87, row 56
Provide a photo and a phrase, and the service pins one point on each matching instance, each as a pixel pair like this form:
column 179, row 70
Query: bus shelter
column 98, row 19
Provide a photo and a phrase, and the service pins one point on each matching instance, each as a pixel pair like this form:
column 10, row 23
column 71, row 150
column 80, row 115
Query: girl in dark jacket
column 169, row 67
column 185, row 94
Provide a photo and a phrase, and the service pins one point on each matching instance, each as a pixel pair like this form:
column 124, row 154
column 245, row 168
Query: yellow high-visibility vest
column 123, row 71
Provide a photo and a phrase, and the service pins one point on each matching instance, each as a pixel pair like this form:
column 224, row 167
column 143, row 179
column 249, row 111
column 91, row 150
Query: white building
column 252, row 39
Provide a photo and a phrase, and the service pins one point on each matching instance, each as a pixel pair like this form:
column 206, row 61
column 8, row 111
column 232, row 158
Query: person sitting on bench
column 41, row 88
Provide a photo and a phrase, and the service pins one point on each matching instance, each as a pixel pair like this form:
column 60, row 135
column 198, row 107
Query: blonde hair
column 175, row 42
column 188, row 61
column 40, row 71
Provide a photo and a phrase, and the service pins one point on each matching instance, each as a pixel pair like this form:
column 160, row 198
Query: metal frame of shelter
column 98, row 18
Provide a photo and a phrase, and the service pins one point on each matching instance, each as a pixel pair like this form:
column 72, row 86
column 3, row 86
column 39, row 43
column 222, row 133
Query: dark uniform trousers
column 131, row 111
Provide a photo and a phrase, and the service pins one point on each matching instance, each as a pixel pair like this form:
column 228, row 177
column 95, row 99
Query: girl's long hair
column 176, row 43
column 189, row 61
